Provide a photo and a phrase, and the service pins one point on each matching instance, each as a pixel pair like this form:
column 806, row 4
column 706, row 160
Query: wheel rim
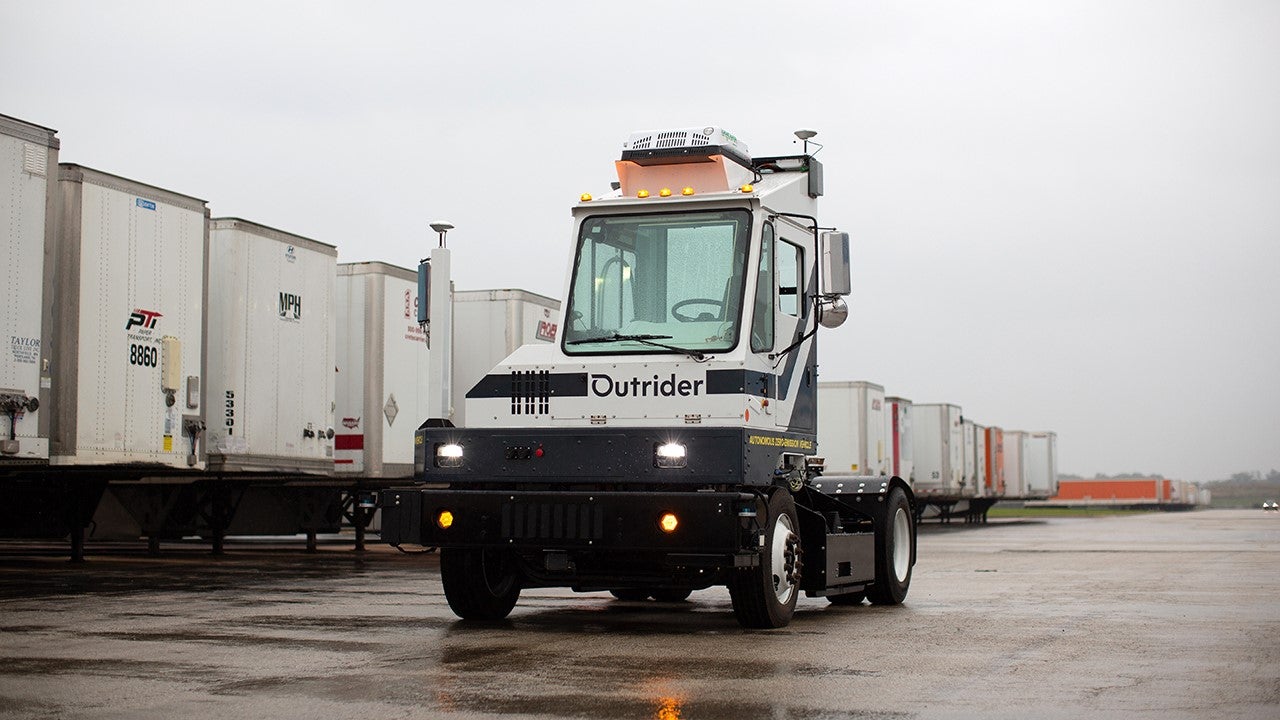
column 901, row 544
column 783, row 558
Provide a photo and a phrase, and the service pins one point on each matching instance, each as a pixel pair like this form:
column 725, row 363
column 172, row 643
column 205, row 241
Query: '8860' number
column 144, row 355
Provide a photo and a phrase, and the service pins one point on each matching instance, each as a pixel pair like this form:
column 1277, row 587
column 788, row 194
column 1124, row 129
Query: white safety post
column 440, row 354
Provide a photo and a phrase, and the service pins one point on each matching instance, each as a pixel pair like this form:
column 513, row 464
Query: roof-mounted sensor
column 661, row 147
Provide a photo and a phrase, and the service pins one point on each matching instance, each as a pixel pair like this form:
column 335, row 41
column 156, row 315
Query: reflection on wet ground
column 36, row 570
column 1003, row 621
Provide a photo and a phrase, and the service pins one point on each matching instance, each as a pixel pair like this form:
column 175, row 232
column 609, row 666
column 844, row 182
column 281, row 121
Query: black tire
column 671, row 596
column 895, row 540
column 854, row 598
column 630, row 594
column 765, row 596
column 479, row 584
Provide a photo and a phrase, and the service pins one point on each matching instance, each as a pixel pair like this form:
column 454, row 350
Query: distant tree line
column 1104, row 476
column 1246, row 489
column 1254, row 477
column 1248, row 477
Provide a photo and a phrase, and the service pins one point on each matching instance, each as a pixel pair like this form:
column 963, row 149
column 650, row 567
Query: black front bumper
column 720, row 524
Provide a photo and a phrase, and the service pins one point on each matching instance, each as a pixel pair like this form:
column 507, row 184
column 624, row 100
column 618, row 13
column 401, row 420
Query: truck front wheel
column 479, row 584
column 894, row 537
column 765, row 596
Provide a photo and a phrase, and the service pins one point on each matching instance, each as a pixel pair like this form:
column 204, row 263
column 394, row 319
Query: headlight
column 448, row 455
column 670, row 455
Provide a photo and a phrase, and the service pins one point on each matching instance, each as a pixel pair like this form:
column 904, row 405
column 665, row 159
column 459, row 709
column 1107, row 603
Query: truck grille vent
column 552, row 521
column 530, row 392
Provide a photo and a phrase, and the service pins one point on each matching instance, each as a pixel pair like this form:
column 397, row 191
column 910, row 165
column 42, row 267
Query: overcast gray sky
column 1066, row 215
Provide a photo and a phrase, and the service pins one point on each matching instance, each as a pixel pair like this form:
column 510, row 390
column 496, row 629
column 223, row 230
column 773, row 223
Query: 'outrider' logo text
column 605, row 386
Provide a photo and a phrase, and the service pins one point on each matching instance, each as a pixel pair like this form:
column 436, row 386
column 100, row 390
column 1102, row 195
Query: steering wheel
column 702, row 317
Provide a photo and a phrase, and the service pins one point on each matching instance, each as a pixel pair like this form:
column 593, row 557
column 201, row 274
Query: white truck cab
column 667, row 441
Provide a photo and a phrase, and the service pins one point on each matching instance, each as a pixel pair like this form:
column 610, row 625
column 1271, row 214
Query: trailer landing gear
column 358, row 507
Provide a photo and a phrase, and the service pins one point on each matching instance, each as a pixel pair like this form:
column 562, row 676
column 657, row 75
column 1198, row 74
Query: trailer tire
column 765, row 596
column 895, row 537
column 479, row 584
column 671, row 596
column 630, row 594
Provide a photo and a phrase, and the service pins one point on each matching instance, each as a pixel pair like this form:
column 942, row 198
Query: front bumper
column 712, row 523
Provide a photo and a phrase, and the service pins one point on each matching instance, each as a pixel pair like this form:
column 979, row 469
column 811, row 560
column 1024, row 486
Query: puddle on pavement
column 108, row 667
column 236, row 640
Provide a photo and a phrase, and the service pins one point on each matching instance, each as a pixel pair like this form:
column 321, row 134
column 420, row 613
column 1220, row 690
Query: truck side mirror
column 834, row 255
column 832, row 311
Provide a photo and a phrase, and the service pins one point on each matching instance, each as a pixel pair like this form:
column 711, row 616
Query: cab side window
column 790, row 264
column 762, row 315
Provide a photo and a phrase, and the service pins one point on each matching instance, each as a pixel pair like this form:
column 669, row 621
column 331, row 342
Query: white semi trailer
column 127, row 339
column 270, row 372
column 1015, row 468
column 979, row 455
column 851, row 428
column 951, row 464
column 666, row 442
column 939, row 450
column 28, row 185
column 1040, row 464
column 382, row 370
column 497, row 323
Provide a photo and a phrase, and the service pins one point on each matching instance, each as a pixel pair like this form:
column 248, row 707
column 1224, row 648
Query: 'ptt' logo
column 145, row 319
column 410, row 304
column 290, row 306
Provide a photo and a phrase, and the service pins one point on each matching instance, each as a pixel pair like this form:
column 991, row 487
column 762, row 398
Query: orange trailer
column 993, row 483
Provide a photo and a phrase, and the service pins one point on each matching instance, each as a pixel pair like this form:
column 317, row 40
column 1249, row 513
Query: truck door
column 793, row 387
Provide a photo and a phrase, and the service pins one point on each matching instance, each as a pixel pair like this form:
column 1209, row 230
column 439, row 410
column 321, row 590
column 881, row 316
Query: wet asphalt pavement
column 1151, row 616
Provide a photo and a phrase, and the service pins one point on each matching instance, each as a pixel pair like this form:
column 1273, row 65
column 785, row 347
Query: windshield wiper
column 645, row 339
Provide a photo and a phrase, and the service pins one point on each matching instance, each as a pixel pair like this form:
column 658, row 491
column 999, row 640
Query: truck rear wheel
column 630, row 594
column 765, row 596
column 671, row 596
column 479, row 584
column 894, row 539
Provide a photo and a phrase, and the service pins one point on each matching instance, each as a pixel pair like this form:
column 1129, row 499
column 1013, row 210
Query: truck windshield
column 675, row 278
